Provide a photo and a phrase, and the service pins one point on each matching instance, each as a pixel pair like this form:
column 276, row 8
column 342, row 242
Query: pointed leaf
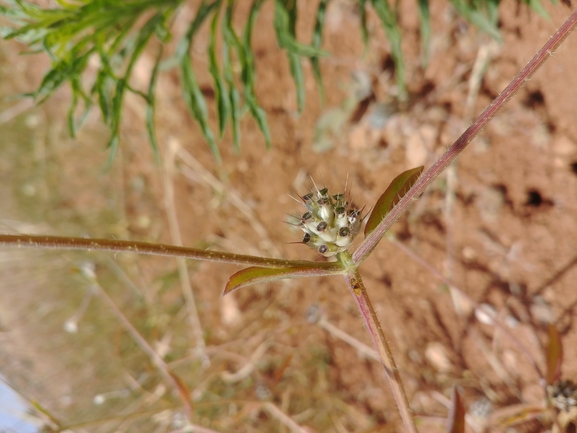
column 254, row 274
column 390, row 23
column 425, row 30
column 197, row 104
column 456, row 420
column 316, row 43
column 222, row 100
column 150, row 103
column 233, row 95
column 248, row 73
column 554, row 354
column 286, row 39
column 299, row 79
column 395, row 192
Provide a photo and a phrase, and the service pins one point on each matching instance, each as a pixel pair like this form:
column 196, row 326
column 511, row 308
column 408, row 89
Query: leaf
column 554, row 354
column 425, row 29
column 196, row 103
column 248, row 73
column 150, row 103
column 392, row 195
column 222, row 99
column 285, row 37
column 255, row 274
column 296, row 69
column 233, row 95
column 191, row 90
column 475, row 17
column 390, row 23
column 316, row 43
column 456, row 419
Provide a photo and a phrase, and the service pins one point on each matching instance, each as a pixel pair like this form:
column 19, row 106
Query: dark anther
column 306, row 216
column 323, row 249
column 308, row 197
column 306, row 238
column 344, row 231
column 322, row 226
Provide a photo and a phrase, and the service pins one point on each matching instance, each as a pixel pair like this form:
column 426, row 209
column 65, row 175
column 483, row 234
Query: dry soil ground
column 501, row 226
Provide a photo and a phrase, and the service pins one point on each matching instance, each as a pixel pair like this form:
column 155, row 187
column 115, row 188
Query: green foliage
column 115, row 33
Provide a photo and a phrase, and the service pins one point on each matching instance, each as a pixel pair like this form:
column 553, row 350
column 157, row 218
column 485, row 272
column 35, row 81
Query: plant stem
column 371, row 241
column 87, row 244
column 360, row 294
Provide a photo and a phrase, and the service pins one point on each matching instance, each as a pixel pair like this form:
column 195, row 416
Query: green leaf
column 285, row 26
column 316, row 43
column 296, row 69
column 191, row 90
column 150, row 104
column 112, row 147
column 255, row 274
column 456, row 419
column 392, row 195
column 425, row 29
column 248, row 73
column 390, row 22
column 101, row 86
column 77, row 93
column 475, row 17
column 233, row 95
column 196, row 104
column 538, row 7
column 115, row 115
column 222, row 99
column 285, row 37
column 554, row 354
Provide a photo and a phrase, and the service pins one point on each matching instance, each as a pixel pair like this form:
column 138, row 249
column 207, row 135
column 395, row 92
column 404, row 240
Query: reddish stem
column 371, row 241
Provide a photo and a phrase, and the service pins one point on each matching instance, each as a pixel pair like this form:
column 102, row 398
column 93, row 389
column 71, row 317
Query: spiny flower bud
column 329, row 223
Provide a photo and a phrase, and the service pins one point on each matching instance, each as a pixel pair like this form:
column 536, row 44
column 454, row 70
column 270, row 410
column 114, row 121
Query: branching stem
column 427, row 178
column 374, row 327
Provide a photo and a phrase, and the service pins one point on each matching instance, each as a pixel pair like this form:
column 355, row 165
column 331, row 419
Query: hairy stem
column 360, row 294
column 371, row 241
column 87, row 244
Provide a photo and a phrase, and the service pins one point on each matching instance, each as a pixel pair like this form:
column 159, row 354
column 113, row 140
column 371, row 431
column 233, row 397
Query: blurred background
column 293, row 355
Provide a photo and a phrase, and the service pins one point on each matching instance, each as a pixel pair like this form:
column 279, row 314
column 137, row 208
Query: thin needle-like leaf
column 317, row 42
column 222, row 100
column 390, row 22
column 191, row 90
column 425, row 29
column 248, row 74
column 150, row 103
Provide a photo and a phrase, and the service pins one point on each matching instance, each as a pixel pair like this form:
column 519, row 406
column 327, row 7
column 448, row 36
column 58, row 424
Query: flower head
column 330, row 223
